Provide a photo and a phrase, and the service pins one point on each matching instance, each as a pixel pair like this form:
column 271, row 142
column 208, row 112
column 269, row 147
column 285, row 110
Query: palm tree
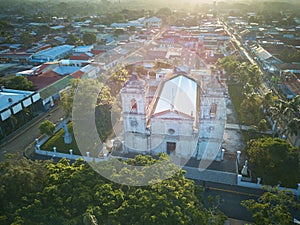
column 291, row 115
column 284, row 112
column 268, row 101
column 275, row 113
column 294, row 129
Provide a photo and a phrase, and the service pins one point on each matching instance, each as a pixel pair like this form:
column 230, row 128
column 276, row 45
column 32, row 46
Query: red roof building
column 45, row 79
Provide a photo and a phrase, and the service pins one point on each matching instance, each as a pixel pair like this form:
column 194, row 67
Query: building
column 17, row 108
column 180, row 114
column 51, row 54
column 265, row 59
column 153, row 22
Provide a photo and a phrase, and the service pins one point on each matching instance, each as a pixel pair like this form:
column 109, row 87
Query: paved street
column 25, row 137
column 232, row 196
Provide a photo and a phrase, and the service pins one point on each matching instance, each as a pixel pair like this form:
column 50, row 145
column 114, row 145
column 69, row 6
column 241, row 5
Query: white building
column 184, row 117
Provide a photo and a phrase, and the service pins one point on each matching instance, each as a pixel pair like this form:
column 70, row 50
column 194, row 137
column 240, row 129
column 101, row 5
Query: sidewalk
column 211, row 175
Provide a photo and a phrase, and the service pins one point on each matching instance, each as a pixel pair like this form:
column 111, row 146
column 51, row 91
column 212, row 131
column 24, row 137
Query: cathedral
column 174, row 112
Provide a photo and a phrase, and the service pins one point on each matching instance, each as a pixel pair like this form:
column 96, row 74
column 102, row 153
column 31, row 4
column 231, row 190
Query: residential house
column 284, row 68
column 105, row 38
column 265, row 59
column 247, row 35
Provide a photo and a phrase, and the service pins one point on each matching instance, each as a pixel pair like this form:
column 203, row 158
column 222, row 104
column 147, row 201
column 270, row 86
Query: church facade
column 178, row 113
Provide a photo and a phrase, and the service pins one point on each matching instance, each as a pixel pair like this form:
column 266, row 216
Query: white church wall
column 136, row 142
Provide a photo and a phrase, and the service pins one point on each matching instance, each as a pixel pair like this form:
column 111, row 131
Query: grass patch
column 237, row 97
column 57, row 140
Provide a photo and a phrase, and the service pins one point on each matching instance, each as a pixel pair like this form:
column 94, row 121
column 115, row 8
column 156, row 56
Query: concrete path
column 211, row 175
column 232, row 126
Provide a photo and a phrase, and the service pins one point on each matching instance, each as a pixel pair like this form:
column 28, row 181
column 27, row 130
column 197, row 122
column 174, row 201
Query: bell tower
column 133, row 105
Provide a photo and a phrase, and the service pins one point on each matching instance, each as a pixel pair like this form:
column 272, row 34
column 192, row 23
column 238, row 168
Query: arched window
column 133, row 108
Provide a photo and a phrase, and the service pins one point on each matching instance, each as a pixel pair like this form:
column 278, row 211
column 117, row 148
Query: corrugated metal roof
column 53, row 52
column 64, row 70
column 262, row 53
column 180, row 94
column 55, row 87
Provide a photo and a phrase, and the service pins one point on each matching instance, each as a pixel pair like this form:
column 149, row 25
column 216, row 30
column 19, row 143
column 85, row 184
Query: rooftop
column 53, row 52
column 45, row 79
column 55, row 87
column 9, row 97
column 66, row 70
column 262, row 53
column 178, row 94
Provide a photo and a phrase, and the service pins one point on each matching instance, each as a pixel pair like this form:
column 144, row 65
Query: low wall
column 268, row 187
column 69, row 156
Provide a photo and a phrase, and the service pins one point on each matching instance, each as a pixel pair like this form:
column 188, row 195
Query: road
column 246, row 55
column 233, row 196
column 25, row 137
column 240, row 46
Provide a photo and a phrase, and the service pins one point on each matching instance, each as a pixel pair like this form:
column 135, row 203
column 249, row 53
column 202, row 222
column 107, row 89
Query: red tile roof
column 97, row 52
column 43, row 67
column 80, row 57
column 45, row 79
column 77, row 74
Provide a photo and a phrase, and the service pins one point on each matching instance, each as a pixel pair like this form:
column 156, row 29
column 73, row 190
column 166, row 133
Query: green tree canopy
column 18, row 83
column 250, row 107
column 274, row 160
column 72, row 40
column 47, row 127
column 116, row 79
column 118, row 32
column 89, row 38
column 76, row 194
column 20, row 181
column 67, row 97
column 273, row 207
column 27, row 39
column 242, row 72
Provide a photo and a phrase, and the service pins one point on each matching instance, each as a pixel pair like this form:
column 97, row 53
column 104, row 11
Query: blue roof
column 153, row 19
column 85, row 48
column 53, row 53
column 64, row 70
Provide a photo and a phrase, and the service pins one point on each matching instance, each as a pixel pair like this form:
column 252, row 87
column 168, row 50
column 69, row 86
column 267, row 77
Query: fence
column 70, row 156
column 258, row 185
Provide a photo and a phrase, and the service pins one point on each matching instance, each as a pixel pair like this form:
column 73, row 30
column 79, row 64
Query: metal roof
column 55, row 87
column 9, row 97
column 179, row 94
